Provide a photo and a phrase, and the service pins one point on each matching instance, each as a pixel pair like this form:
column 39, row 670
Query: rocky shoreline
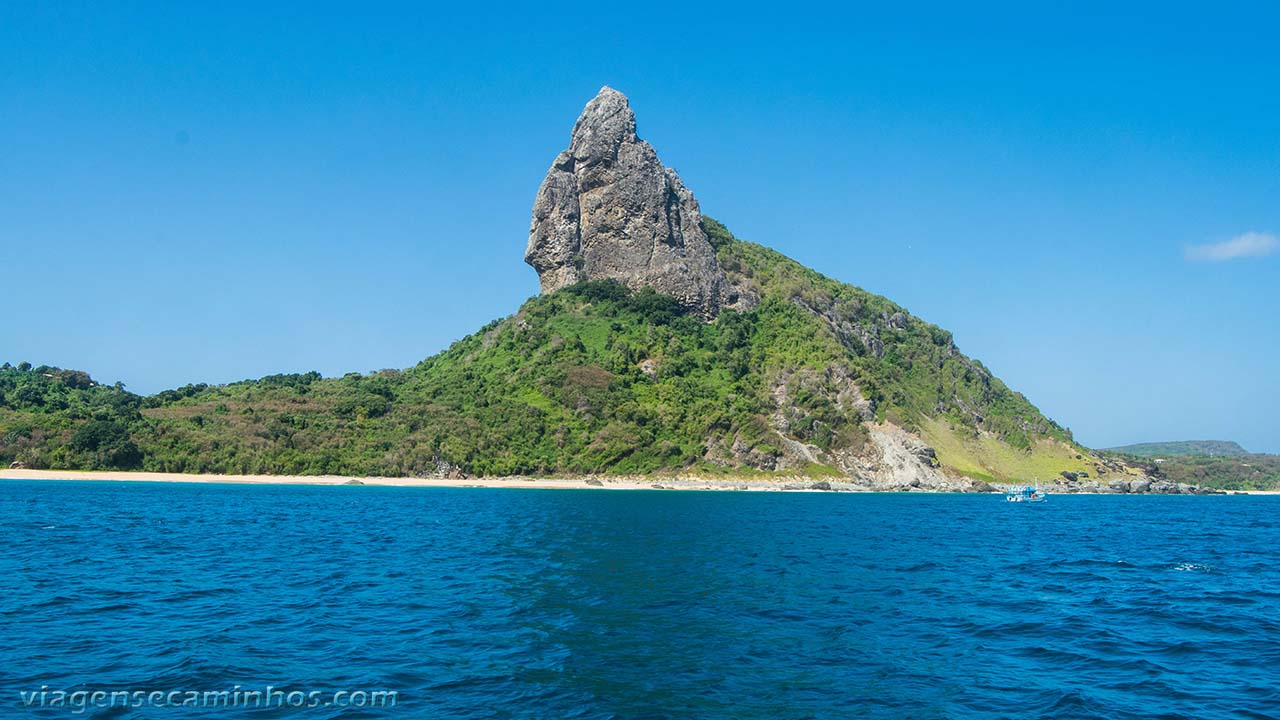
column 1141, row 485
column 1136, row 486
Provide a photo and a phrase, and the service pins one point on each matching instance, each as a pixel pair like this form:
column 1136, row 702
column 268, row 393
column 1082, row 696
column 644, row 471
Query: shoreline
column 687, row 482
column 781, row 484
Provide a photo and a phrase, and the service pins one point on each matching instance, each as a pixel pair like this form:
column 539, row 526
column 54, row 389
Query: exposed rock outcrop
column 1135, row 485
column 609, row 209
column 905, row 462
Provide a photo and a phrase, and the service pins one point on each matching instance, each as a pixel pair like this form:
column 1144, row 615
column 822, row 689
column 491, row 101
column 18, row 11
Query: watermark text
column 81, row 700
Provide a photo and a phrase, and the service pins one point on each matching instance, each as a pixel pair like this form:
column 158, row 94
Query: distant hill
column 1218, row 464
column 1211, row 448
column 1225, row 472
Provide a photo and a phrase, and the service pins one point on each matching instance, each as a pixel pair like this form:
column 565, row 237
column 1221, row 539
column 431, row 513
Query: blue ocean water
column 611, row 604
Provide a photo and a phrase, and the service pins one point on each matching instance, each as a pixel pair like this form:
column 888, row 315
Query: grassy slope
column 978, row 426
column 591, row 379
column 985, row 457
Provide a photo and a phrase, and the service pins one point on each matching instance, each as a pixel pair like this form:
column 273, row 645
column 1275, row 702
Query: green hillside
column 1212, row 448
column 1197, row 464
column 1233, row 472
column 592, row 379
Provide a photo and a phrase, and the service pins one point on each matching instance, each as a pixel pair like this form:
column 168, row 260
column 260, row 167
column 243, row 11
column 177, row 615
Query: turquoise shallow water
column 610, row 604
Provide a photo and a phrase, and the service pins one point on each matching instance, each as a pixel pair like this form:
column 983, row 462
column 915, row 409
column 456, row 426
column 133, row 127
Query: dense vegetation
column 1184, row 447
column 51, row 417
column 594, row 378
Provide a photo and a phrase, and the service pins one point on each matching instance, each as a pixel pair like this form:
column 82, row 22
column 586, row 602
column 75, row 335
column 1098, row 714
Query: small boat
column 1027, row 494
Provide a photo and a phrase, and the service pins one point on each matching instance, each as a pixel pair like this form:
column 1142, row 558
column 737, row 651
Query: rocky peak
column 605, row 125
column 608, row 208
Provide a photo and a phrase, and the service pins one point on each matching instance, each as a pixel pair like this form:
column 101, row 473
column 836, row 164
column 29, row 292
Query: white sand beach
column 784, row 484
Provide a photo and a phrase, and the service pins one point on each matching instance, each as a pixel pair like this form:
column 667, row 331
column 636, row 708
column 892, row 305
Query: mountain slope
column 818, row 378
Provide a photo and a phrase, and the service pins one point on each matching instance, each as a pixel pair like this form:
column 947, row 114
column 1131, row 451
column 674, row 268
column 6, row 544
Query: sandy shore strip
column 674, row 482
column 595, row 483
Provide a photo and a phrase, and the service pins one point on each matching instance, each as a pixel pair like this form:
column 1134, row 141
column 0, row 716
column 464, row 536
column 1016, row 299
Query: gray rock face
column 608, row 208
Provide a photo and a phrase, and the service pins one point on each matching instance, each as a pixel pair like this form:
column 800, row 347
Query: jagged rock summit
column 608, row 208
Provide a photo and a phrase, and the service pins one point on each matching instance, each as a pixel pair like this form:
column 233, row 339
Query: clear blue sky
column 215, row 191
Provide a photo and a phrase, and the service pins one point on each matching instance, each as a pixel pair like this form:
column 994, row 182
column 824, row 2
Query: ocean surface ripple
column 594, row 604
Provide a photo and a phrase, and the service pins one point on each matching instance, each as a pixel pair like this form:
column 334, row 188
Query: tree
column 108, row 443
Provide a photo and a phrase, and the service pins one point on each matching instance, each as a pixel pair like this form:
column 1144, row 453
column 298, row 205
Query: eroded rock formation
column 608, row 208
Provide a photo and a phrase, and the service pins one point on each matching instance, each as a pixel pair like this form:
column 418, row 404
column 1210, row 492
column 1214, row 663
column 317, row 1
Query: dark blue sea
column 474, row 603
